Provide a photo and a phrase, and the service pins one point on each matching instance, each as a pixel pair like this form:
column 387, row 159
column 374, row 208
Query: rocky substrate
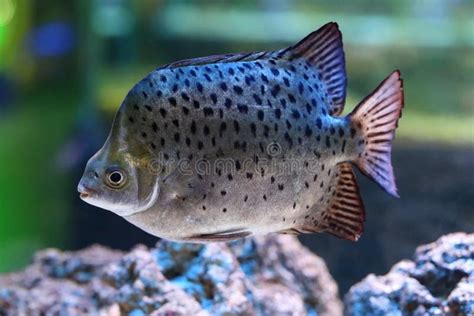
column 271, row 275
column 438, row 281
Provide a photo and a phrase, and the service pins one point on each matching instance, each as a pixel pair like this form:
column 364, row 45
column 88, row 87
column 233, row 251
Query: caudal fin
column 376, row 119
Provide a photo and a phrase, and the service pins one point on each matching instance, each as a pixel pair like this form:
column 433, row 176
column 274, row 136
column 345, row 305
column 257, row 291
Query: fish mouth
column 85, row 192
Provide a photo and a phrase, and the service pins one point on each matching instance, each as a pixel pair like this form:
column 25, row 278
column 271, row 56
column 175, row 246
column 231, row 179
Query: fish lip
column 85, row 192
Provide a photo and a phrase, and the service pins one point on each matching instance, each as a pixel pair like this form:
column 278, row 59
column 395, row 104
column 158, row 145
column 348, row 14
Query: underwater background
column 66, row 66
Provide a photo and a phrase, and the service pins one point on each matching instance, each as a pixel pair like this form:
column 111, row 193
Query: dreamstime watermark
column 271, row 162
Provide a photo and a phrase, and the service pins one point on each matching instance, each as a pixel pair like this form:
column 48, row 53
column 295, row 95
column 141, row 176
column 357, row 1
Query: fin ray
column 345, row 214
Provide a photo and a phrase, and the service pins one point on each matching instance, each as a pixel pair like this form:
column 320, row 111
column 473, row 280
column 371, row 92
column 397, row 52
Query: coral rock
column 439, row 281
column 271, row 275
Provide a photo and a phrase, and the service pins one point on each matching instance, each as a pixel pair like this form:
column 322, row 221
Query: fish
column 221, row 147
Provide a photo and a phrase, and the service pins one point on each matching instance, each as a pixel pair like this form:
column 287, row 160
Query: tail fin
column 376, row 118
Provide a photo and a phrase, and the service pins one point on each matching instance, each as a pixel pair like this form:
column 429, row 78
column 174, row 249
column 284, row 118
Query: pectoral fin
column 227, row 235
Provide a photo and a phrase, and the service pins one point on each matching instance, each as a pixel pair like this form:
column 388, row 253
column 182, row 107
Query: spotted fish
column 222, row 147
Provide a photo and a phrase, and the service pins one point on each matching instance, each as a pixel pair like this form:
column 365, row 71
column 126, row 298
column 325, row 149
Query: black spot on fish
column 283, row 102
column 238, row 90
column 193, row 127
column 193, row 73
column 294, row 205
column 253, row 128
column 260, row 115
column 207, row 78
column 199, row 87
column 223, row 192
column 238, row 166
column 257, row 99
column 163, row 78
column 224, row 210
column 275, row 90
column 228, row 103
column 208, row 111
column 176, row 137
column 341, row 132
column 206, row 130
column 277, row 113
column 162, row 141
column 200, row 145
column 308, row 131
column 308, row 108
column 332, row 130
column 130, row 119
column 184, row 96
column 266, row 130
column 248, row 81
column 262, row 89
column 230, row 177
column 163, row 112
column 188, row 141
column 154, row 127
column 185, row 110
column 144, row 135
column 328, row 142
column 281, row 187
column 300, row 88
column 306, row 184
column 222, row 128
column 159, row 93
column 274, row 71
column 187, row 83
column 175, row 123
column 231, row 71
column 288, row 124
column 135, row 107
column 291, row 98
column 172, row 101
column 236, row 126
column 153, row 146
column 264, row 78
column 343, row 145
column 295, row 114
column 264, row 197
column 221, row 113
column 246, row 198
column 175, row 87
column 214, row 98
column 196, row 104
column 289, row 139
column 319, row 124
column 242, row 108
column 148, row 108
column 286, row 81
column 353, row 132
column 223, row 86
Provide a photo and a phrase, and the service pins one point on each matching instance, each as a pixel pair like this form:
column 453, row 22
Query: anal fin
column 345, row 215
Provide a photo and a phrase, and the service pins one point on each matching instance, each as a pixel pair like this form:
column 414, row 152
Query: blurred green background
column 65, row 66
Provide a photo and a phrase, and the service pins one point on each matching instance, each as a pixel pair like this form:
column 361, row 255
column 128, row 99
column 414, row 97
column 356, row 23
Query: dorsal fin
column 323, row 50
column 225, row 58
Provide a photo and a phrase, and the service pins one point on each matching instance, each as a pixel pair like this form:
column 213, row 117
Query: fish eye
column 115, row 177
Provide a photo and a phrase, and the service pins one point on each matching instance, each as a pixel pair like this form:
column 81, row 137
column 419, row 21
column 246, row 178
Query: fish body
column 221, row 147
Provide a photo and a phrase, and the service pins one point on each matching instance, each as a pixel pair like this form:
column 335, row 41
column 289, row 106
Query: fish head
column 118, row 181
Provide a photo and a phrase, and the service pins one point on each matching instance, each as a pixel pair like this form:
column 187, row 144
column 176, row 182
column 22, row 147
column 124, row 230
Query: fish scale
column 248, row 143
